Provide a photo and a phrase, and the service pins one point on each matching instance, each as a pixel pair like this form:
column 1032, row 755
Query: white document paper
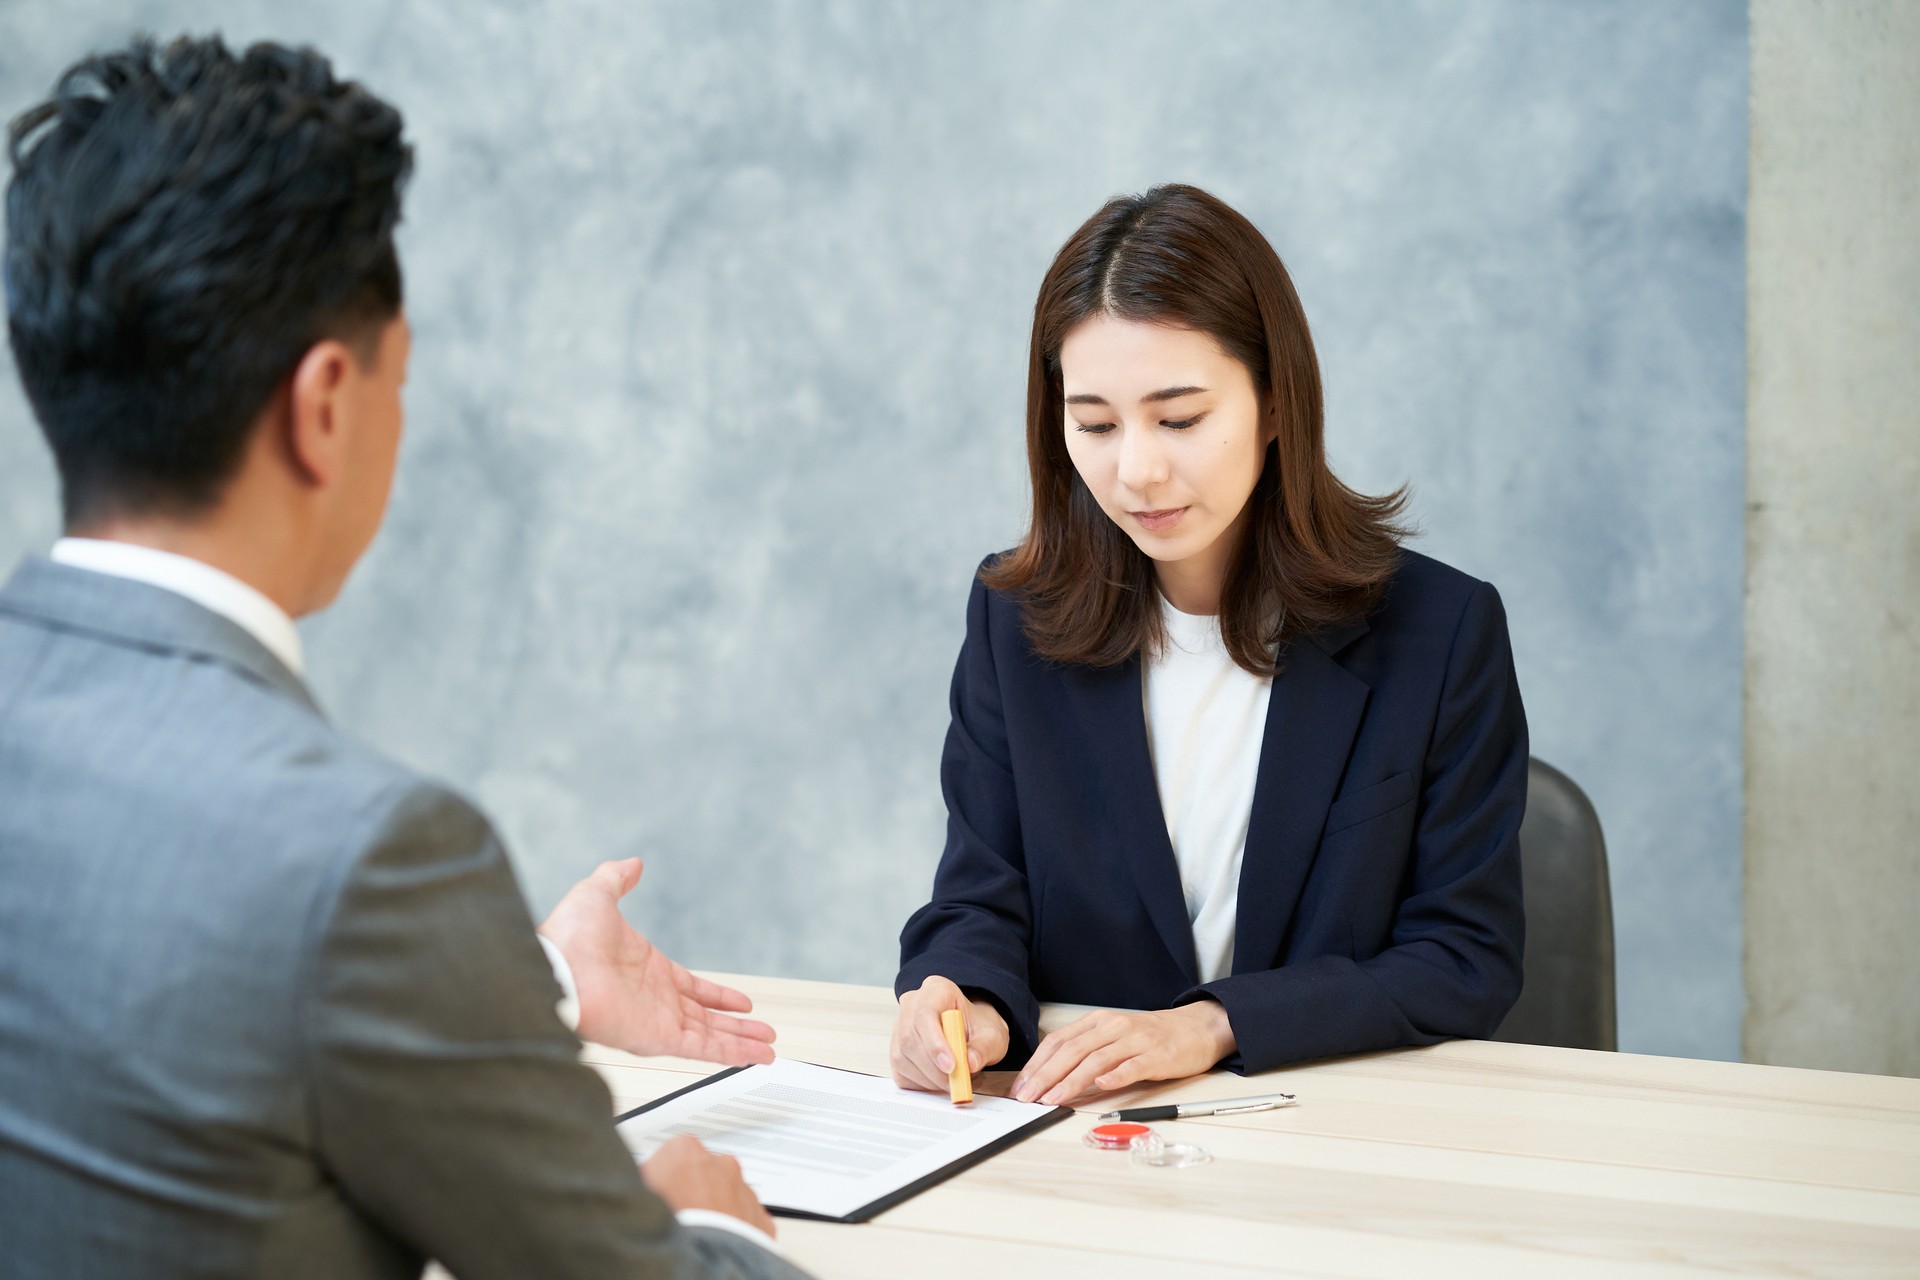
column 817, row 1140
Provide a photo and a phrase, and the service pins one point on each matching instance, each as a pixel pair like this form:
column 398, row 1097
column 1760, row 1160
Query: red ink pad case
column 1115, row 1137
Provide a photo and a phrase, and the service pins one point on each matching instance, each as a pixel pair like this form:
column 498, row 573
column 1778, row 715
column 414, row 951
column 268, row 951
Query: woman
column 1224, row 757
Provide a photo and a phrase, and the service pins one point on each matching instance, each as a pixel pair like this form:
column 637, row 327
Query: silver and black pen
column 1218, row 1107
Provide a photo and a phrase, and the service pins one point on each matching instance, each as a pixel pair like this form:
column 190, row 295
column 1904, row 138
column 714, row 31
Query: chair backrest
column 1568, row 996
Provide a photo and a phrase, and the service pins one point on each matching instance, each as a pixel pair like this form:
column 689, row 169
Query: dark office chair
column 1568, row 997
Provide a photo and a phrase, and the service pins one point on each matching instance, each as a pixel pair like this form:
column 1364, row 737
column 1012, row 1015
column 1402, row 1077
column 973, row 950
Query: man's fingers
column 680, row 1147
column 699, row 1019
column 737, row 1051
column 701, row 1038
column 619, row 875
column 711, row 994
column 745, row 1028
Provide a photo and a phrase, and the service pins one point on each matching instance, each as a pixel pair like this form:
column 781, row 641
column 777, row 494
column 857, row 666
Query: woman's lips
column 1159, row 521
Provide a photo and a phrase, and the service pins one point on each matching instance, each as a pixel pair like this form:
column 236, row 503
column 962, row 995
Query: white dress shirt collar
column 208, row 587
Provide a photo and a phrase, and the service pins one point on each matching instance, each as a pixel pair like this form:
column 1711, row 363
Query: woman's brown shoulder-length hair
column 1316, row 553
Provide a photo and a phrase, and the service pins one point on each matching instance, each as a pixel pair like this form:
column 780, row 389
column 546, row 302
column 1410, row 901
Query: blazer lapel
column 1111, row 707
column 1313, row 714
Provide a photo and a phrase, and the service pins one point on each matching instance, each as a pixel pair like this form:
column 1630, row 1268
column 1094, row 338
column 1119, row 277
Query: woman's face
column 1166, row 432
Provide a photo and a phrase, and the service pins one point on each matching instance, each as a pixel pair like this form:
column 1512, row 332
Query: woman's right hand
column 919, row 1052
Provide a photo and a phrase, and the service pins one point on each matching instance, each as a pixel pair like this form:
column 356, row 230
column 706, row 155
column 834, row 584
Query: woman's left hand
column 1113, row 1048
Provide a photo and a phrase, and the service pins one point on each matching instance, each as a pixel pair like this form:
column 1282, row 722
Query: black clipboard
column 867, row 1212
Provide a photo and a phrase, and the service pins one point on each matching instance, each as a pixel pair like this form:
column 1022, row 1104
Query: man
column 270, row 1004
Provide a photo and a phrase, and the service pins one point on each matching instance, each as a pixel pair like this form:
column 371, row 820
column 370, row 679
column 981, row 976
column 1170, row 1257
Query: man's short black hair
column 183, row 224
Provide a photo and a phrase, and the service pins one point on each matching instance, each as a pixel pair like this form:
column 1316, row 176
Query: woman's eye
column 1182, row 424
column 1096, row 428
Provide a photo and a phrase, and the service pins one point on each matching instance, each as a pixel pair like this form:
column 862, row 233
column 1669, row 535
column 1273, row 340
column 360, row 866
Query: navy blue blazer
column 1380, row 889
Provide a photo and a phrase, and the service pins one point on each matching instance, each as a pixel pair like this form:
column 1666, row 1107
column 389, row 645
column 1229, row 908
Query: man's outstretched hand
column 631, row 995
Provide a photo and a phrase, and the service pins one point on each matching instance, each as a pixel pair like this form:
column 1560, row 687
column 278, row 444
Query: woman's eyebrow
column 1152, row 397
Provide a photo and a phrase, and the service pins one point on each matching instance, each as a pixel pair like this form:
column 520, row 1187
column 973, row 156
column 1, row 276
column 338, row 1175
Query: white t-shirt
column 1206, row 717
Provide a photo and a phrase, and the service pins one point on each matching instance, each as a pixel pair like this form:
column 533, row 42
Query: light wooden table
column 1469, row 1158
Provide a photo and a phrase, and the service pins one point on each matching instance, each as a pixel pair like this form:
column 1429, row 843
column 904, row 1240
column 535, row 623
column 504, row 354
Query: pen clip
column 1269, row 1104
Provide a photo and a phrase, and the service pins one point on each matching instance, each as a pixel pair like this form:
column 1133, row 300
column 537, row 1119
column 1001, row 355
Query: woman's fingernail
column 942, row 1061
column 1020, row 1089
column 973, row 1060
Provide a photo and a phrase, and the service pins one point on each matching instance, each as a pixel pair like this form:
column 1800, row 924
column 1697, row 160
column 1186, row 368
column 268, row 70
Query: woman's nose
column 1143, row 463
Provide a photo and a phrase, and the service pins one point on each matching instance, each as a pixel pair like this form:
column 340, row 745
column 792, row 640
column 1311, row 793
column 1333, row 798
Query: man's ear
column 317, row 407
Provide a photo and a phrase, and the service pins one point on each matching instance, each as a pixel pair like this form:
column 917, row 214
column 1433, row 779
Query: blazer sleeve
column 977, row 928
column 1453, row 969
column 447, row 1098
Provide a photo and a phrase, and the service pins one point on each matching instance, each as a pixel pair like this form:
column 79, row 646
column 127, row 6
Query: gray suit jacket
column 270, row 1004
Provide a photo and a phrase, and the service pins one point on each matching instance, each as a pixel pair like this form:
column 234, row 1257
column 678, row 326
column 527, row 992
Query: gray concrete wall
column 721, row 317
column 1833, row 538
